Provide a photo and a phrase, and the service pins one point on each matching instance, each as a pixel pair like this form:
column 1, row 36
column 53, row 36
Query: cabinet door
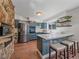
column 33, row 36
column 45, row 47
column 43, row 25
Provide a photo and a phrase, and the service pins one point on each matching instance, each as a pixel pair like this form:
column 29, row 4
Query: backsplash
column 60, row 30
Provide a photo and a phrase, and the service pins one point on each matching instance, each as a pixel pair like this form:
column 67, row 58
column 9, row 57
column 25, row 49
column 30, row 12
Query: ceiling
column 49, row 7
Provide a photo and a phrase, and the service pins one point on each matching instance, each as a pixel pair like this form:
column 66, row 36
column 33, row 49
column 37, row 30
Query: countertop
column 54, row 36
column 5, row 38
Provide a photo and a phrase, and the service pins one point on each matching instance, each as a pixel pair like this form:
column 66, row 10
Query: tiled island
column 44, row 41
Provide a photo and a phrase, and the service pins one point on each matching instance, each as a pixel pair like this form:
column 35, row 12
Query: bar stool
column 52, row 54
column 60, row 50
column 76, row 45
column 70, row 48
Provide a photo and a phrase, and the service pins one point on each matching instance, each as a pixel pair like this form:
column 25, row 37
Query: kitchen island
column 6, row 46
column 44, row 40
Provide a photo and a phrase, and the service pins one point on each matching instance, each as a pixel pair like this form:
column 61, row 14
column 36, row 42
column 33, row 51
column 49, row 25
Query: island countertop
column 54, row 36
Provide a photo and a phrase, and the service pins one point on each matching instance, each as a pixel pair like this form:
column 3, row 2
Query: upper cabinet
column 41, row 25
column 52, row 26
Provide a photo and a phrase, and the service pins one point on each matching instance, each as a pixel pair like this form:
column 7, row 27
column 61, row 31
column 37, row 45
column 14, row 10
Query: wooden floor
column 27, row 51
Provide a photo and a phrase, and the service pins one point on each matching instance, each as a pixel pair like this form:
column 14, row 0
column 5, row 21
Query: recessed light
column 39, row 13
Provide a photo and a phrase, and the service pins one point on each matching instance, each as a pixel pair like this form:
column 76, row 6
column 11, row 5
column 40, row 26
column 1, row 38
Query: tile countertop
column 54, row 36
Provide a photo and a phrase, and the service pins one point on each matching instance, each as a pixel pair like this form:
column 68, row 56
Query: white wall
column 58, row 29
column 75, row 21
column 54, row 19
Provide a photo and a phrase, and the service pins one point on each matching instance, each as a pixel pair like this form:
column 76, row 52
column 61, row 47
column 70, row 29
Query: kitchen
column 38, row 29
column 46, row 32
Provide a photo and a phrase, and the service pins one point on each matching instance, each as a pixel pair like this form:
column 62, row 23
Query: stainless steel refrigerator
column 23, row 32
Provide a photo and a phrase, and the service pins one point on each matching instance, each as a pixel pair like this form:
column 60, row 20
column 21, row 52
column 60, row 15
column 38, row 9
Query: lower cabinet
column 43, row 45
column 32, row 36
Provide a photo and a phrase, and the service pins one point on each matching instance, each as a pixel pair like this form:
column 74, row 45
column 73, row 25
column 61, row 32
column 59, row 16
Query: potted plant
column 68, row 18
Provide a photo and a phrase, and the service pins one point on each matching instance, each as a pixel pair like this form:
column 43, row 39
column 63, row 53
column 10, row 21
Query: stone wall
column 7, row 13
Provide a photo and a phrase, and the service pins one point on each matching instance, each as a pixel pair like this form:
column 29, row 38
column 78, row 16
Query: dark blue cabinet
column 43, row 45
column 32, row 32
column 32, row 36
column 42, row 25
column 31, row 29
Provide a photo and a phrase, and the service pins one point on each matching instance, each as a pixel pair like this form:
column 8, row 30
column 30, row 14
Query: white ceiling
column 49, row 7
